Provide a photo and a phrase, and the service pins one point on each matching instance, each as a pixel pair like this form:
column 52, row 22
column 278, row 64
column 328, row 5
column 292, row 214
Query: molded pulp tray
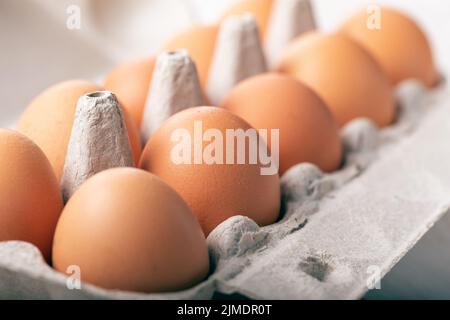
column 339, row 233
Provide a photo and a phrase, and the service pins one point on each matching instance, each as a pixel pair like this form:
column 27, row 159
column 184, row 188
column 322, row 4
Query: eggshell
column 49, row 118
column 399, row 45
column 130, row 82
column 260, row 9
column 200, row 42
column 344, row 75
column 214, row 192
column 30, row 200
column 126, row 229
column 308, row 131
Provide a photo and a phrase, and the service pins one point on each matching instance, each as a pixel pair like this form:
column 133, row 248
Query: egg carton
column 338, row 234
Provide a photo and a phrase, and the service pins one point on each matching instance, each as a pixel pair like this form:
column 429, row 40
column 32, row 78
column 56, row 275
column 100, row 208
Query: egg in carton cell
column 323, row 245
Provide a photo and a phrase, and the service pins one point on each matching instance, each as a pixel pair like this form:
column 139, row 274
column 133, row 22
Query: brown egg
column 260, row 9
column 344, row 75
column 126, row 229
column 215, row 190
column 130, row 82
column 399, row 45
column 200, row 42
column 49, row 118
column 308, row 131
column 30, row 200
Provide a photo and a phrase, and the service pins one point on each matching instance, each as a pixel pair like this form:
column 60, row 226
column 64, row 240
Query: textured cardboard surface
column 337, row 229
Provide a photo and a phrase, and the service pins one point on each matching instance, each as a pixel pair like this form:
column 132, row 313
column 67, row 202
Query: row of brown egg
column 131, row 230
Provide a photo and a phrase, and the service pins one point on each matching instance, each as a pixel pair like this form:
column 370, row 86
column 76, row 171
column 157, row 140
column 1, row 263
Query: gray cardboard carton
column 339, row 233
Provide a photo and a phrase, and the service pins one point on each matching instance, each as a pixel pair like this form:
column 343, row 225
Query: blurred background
column 37, row 49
